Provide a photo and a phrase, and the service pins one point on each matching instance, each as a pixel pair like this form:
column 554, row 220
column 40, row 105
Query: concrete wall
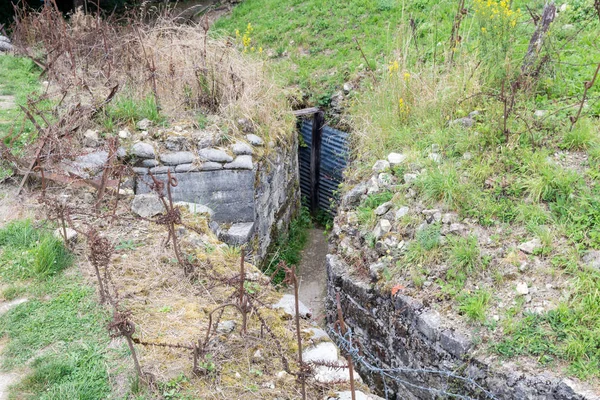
column 252, row 189
column 401, row 333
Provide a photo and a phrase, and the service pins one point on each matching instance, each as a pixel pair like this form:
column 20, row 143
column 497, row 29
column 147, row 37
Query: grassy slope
column 59, row 336
column 314, row 42
column 526, row 187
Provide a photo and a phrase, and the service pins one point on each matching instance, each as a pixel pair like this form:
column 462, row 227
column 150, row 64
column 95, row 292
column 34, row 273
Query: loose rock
column 522, row 288
column 255, row 140
column 531, row 246
column 241, row 149
column 396, row 158
column 288, row 304
column 381, row 166
column 144, row 124
column 147, row 205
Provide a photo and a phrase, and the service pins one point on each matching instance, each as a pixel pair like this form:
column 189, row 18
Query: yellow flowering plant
column 497, row 24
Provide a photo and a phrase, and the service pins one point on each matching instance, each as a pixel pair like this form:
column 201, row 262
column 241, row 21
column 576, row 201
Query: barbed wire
column 363, row 357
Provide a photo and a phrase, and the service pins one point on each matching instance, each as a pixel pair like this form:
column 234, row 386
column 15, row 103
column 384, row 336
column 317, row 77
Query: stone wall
column 251, row 188
column 402, row 333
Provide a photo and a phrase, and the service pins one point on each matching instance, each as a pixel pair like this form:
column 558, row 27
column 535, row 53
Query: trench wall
column 403, row 334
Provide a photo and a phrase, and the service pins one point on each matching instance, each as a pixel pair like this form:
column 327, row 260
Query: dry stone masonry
column 248, row 188
column 408, row 334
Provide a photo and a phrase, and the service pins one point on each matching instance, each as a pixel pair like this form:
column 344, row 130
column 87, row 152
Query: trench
column 312, row 274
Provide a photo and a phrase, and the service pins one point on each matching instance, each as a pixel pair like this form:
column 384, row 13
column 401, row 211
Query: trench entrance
column 322, row 158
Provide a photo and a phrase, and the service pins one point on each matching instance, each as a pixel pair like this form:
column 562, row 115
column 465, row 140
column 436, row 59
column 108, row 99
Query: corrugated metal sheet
column 334, row 158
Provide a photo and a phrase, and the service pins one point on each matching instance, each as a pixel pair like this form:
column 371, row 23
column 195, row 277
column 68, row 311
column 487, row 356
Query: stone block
column 455, row 343
column 238, row 234
column 230, row 193
column 428, row 323
column 161, row 170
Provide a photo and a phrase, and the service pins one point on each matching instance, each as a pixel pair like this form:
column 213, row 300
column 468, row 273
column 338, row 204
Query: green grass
column 288, row 246
column 18, row 78
column 365, row 213
column 570, row 332
column 474, row 305
column 60, row 332
column 464, row 254
column 128, row 110
column 314, row 44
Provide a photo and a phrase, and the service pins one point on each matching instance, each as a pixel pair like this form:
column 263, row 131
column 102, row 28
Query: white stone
column 240, row 162
column 91, row 138
column 71, row 234
column 522, row 288
column 382, row 227
column 144, row 124
column 255, row 140
column 124, row 134
column 530, row 246
column 143, row 150
column 347, row 395
column 226, row 327
column 381, row 166
column 396, row 158
column 241, row 148
column 435, row 157
column 214, row 155
column 384, row 179
column 402, row 212
column 325, row 351
column 147, row 205
column 176, row 158
column 540, row 113
column 382, row 209
column 288, row 305
column 348, row 86
column 409, row 178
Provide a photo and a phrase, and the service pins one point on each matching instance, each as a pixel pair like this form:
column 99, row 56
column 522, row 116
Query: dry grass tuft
column 183, row 68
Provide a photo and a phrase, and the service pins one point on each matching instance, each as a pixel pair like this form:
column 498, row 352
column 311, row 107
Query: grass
column 570, row 332
column 314, row 46
column 288, row 246
column 365, row 213
column 128, row 110
column 60, row 332
column 474, row 305
column 18, row 78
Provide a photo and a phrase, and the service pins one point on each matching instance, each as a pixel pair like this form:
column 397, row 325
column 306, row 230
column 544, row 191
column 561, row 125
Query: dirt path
column 313, row 275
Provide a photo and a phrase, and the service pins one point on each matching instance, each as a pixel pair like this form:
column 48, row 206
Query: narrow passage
column 313, row 274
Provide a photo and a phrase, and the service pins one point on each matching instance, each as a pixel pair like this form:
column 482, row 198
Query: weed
column 464, row 254
column 289, row 245
column 50, row 257
column 474, row 305
column 582, row 137
column 127, row 244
